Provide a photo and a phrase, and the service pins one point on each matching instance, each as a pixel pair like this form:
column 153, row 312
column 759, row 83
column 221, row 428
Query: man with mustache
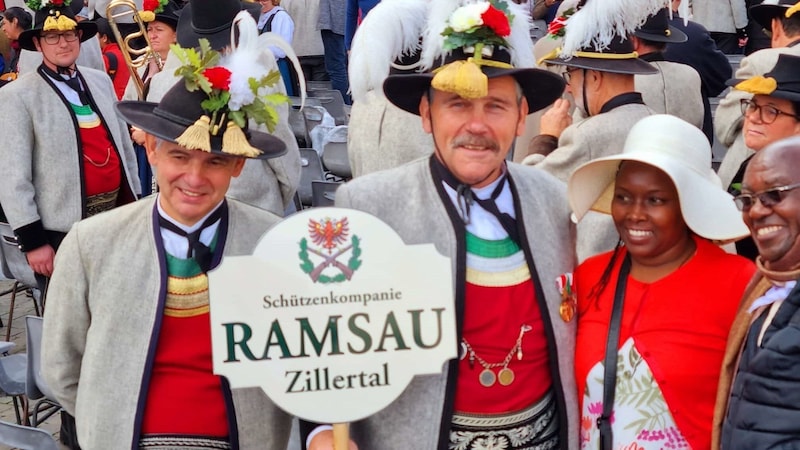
column 506, row 229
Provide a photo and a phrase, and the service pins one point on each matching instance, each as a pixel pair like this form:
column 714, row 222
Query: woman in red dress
column 664, row 299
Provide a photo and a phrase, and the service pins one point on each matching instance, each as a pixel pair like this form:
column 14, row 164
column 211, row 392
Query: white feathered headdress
column 598, row 22
column 391, row 30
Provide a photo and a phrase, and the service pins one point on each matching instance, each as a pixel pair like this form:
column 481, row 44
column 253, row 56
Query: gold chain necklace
column 487, row 376
column 108, row 158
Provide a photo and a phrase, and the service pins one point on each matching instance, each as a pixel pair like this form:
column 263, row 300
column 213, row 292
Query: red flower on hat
column 496, row 20
column 155, row 6
column 219, row 77
column 57, row 2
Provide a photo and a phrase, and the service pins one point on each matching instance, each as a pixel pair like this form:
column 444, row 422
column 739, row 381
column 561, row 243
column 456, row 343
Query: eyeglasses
column 53, row 38
column 767, row 114
column 767, row 197
column 567, row 74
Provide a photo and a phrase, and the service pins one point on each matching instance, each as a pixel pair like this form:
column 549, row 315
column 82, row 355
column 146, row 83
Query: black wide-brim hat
column 212, row 20
column 764, row 12
column 658, row 29
column 540, row 87
column 88, row 29
column 170, row 14
column 178, row 110
column 593, row 59
column 786, row 76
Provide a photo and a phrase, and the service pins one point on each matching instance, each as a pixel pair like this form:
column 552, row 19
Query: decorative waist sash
column 182, row 442
column 534, row 428
column 95, row 204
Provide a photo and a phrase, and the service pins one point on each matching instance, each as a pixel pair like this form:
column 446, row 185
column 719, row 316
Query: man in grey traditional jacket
column 728, row 119
column 65, row 155
column 269, row 184
column 600, row 77
column 126, row 342
column 676, row 89
column 492, row 218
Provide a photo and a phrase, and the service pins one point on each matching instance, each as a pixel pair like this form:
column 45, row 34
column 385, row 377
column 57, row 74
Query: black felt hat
column 764, row 12
column 212, row 20
column 168, row 12
column 481, row 41
column 617, row 57
column 658, row 29
column 178, row 110
column 783, row 81
column 56, row 16
column 540, row 87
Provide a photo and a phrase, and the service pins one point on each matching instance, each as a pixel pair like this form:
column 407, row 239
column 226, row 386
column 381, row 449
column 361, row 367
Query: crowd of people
column 639, row 298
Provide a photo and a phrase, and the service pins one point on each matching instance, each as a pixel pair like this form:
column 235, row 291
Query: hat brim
column 763, row 14
column 631, row 66
column 707, row 209
column 88, row 28
column 189, row 37
column 540, row 87
column 140, row 115
column 676, row 36
column 788, row 95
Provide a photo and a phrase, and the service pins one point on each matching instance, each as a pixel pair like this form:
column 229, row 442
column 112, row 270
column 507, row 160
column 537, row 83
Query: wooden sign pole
column 341, row 436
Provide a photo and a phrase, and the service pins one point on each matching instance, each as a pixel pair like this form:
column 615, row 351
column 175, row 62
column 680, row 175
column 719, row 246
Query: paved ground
column 24, row 307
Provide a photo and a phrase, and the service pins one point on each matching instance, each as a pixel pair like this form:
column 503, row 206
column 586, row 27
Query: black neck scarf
column 465, row 197
column 201, row 253
column 73, row 82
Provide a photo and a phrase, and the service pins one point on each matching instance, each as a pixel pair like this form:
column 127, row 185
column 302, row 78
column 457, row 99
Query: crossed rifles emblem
column 330, row 237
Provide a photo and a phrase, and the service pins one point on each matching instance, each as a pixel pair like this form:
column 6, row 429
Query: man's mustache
column 476, row 141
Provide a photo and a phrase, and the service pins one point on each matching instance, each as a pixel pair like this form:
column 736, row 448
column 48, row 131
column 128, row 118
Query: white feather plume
column 520, row 43
column 249, row 58
column 246, row 59
column 599, row 21
column 392, row 29
column 433, row 41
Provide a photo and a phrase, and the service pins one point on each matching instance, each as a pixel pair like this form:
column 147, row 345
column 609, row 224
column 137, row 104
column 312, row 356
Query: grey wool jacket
column 674, row 90
column 594, row 137
column 41, row 162
column 104, row 309
column 415, row 205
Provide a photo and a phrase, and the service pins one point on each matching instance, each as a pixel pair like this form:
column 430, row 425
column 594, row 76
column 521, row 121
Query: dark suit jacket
column 700, row 52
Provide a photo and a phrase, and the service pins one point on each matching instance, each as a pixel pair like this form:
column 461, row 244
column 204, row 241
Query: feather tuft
column 597, row 23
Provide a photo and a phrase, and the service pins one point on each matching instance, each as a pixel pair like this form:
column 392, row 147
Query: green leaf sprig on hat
column 233, row 98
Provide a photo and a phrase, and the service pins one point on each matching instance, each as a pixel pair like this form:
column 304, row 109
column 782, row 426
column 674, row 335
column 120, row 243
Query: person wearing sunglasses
column 757, row 402
column 773, row 113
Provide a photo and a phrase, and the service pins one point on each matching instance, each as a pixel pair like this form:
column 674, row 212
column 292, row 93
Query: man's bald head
column 775, row 226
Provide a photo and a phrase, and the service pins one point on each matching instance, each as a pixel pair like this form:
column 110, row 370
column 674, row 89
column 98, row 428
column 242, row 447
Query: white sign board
column 332, row 315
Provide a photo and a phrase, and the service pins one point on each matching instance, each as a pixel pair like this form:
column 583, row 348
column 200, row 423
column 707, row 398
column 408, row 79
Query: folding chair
column 35, row 386
column 323, row 193
column 332, row 101
column 336, row 160
column 15, row 267
column 12, row 382
column 26, row 438
column 310, row 170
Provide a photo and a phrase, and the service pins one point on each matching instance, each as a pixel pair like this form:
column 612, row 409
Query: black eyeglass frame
column 567, row 73
column 768, row 197
column 74, row 35
column 747, row 103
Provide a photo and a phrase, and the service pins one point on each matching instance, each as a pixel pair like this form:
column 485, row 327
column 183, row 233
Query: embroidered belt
column 95, row 204
column 534, row 428
column 176, row 442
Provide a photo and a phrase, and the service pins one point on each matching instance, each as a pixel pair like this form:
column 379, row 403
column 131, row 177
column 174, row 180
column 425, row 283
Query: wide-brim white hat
column 680, row 150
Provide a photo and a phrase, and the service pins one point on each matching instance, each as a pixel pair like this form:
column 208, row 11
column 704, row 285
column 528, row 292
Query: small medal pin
column 568, row 300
